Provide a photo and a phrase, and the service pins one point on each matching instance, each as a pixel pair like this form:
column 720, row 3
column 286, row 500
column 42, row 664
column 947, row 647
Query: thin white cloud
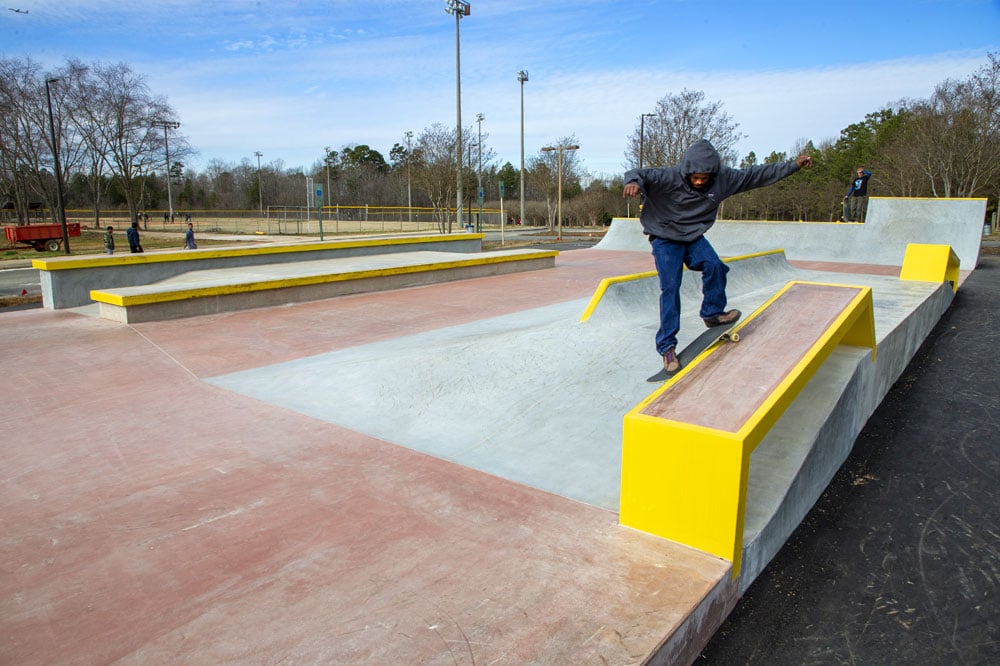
column 774, row 109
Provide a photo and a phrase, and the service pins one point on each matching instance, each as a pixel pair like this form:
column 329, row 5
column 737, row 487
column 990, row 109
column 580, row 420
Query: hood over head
column 701, row 157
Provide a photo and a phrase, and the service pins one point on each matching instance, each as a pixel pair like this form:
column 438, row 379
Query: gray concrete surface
column 538, row 397
column 202, row 292
column 531, row 395
column 65, row 287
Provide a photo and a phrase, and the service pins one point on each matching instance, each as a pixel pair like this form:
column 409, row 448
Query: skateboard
column 709, row 338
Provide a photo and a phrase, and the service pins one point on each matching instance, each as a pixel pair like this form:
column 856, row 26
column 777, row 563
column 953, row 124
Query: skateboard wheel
column 735, row 337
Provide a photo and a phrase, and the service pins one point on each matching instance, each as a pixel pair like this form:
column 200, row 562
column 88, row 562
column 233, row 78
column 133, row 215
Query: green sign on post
column 319, row 207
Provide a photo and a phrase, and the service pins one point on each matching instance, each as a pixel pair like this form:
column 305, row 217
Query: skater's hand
column 631, row 189
column 804, row 161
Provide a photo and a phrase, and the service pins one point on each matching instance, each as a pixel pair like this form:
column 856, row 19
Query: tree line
column 112, row 133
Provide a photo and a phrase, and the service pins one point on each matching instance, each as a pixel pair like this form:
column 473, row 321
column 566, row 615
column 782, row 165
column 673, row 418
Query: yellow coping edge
column 68, row 263
column 120, row 300
column 930, row 263
column 606, row 283
column 688, row 483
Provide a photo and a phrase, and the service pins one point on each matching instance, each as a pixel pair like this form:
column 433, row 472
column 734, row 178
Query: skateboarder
column 856, row 199
column 680, row 206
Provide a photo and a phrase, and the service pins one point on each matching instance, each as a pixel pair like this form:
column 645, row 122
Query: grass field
column 91, row 241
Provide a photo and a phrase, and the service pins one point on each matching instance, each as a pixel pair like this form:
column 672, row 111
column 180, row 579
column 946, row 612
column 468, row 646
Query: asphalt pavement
column 899, row 560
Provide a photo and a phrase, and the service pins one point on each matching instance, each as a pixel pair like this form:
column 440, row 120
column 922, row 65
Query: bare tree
column 124, row 111
column 955, row 135
column 433, row 170
column 679, row 121
column 543, row 176
column 20, row 138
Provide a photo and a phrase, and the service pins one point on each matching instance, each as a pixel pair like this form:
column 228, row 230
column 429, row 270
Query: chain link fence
column 298, row 220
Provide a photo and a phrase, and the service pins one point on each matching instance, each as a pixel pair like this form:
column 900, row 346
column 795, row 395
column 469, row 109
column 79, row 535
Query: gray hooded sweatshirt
column 676, row 211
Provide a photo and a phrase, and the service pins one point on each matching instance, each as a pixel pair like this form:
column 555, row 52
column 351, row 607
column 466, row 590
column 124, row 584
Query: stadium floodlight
column 522, row 76
column 460, row 9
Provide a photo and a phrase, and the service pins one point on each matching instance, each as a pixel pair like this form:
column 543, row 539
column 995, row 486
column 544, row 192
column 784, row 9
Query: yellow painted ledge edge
column 606, row 283
column 855, row 326
column 68, row 263
column 722, row 453
column 924, row 262
column 120, row 300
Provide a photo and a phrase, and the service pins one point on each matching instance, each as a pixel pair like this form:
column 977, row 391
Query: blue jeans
column 670, row 258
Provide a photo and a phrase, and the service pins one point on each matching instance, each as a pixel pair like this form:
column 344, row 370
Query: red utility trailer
column 40, row 236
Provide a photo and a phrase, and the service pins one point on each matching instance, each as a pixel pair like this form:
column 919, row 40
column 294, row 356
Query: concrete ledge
column 67, row 281
column 611, row 283
column 930, row 263
column 686, row 448
column 225, row 290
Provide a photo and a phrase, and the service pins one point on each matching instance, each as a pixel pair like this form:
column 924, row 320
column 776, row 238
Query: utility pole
column 55, row 158
column 260, row 188
column 642, row 133
column 167, row 124
column 479, row 174
column 409, row 196
column 559, row 171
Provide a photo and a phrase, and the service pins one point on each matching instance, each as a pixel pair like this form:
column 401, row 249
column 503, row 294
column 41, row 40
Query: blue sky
column 289, row 77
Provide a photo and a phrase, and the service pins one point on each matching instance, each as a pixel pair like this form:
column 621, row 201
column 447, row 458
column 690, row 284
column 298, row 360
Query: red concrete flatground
column 149, row 517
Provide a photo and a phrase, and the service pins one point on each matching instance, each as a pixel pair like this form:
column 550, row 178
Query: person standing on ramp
column 856, row 199
column 680, row 205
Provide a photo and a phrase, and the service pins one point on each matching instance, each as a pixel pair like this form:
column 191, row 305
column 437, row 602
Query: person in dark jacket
column 132, row 234
column 680, row 206
column 857, row 196
column 189, row 238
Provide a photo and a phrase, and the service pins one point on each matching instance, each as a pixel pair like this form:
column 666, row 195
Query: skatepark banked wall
column 800, row 454
column 892, row 224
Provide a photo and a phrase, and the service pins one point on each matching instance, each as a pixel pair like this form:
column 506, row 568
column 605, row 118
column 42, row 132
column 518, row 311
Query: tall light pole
column 522, row 76
column 55, row 158
column 459, row 8
column 326, row 163
column 167, row 124
column 479, row 174
column 260, row 187
column 559, row 148
column 409, row 198
column 642, row 133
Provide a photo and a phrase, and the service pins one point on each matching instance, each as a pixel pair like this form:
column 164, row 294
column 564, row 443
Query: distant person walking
column 109, row 240
column 133, row 238
column 856, row 201
column 189, row 238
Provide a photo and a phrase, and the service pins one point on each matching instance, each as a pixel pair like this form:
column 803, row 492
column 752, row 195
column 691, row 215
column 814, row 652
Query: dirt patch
column 14, row 301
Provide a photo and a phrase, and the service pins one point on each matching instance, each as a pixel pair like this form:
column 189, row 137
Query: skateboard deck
column 707, row 339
